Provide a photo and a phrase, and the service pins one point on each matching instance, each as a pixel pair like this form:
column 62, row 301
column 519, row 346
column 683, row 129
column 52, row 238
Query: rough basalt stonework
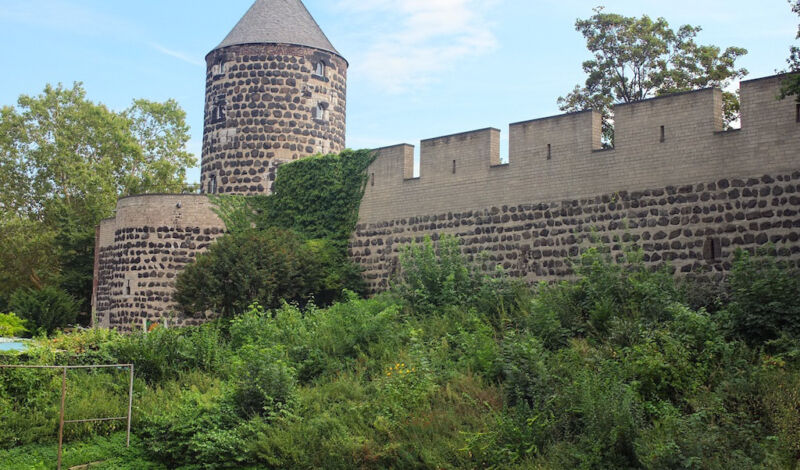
column 694, row 227
column 675, row 184
column 140, row 253
column 265, row 105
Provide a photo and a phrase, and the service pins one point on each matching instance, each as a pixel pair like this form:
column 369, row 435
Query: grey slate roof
column 278, row 22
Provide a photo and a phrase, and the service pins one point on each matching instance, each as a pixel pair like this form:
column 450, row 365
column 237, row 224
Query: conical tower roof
column 278, row 22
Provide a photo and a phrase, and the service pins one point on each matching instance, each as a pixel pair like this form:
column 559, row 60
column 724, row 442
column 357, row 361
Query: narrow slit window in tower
column 549, row 151
column 663, row 134
column 454, row 167
column 797, row 113
column 320, row 69
column 218, row 110
column 212, row 184
column 128, row 288
column 372, row 180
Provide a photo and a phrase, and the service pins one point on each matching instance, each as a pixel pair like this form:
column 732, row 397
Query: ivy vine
column 317, row 197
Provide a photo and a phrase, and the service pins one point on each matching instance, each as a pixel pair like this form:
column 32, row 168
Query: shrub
column 11, row 325
column 764, row 299
column 46, row 310
column 198, row 429
column 263, row 382
column 265, row 267
column 164, row 353
column 435, row 275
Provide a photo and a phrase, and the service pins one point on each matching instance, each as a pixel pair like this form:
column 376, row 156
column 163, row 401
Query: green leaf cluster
column 638, row 58
column 613, row 369
column 791, row 86
column 289, row 246
column 64, row 162
column 11, row 325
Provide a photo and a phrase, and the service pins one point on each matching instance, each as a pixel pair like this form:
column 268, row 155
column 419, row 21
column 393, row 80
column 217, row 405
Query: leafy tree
column 791, row 86
column 64, row 162
column 11, row 325
column 639, row 58
column 45, row 310
column 266, row 267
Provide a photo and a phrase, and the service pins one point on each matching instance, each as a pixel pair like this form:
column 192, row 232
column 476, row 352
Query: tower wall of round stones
column 268, row 104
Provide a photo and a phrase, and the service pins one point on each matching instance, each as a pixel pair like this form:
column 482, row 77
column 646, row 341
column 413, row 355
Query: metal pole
column 61, row 417
column 130, row 407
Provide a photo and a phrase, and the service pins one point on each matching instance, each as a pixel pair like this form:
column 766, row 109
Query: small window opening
column 319, row 112
column 663, row 134
column 454, row 167
column 797, row 113
column 128, row 288
column 320, row 69
column 372, row 180
column 218, row 109
column 712, row 250
column 549, row 151
column 212, row 184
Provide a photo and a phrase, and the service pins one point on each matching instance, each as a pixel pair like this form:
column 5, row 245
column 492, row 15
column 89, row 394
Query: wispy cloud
column 177, row 54
column 416, row 40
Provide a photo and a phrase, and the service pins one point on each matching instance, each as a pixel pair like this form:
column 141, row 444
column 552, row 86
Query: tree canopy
column 64, row 162
column 639, row 58
column 791, row 87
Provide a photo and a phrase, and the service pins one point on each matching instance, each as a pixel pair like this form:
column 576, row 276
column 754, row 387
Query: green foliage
column 614, row 369
column 267, row 267
column 290, row 246
column 639, row 58
column 198, row 430
column 45, row 310
column 11, row 325
column 164, row 354
column 263, row 382
column 318, row 197
column 436, row 275
column 791, row 85
column 64, row 161
column 764, row 296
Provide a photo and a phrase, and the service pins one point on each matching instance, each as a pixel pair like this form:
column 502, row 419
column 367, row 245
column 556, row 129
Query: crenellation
column 689, row 194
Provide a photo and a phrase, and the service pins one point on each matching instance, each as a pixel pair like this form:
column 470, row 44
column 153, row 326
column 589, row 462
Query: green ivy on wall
column 317, row 197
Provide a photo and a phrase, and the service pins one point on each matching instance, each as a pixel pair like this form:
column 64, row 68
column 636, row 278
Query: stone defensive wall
column 675, row 184
column 140, row 252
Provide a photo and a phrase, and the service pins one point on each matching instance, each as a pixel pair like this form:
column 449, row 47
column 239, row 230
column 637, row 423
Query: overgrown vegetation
column 289, row 246
column 64, row 161
column 457, row 367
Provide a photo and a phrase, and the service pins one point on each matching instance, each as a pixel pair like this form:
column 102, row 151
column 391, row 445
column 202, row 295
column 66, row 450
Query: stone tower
column 275, row 92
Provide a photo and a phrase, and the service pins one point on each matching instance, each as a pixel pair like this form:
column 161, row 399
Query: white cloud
column 414, row 41
column 176, row 54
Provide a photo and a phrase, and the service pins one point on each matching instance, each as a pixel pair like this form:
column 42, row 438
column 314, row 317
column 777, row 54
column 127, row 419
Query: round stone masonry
column 268, row 104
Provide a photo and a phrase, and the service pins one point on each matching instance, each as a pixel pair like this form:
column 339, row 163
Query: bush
column 11, row 325
column 435, row 275
column 164, row 353
column 46, row 310
column 198, row 429
column 263, row 382
column 265, row 267
column 764, row 299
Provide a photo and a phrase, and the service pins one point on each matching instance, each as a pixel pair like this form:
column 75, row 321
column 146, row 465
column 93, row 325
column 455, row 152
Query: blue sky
column 418, row 68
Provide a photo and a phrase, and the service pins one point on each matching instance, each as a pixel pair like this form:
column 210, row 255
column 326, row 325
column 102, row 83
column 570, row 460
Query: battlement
column 660, row 141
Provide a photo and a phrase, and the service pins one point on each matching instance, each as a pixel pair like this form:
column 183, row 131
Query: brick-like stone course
column 694, row 227
column 690, row 200
column 266, row 105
